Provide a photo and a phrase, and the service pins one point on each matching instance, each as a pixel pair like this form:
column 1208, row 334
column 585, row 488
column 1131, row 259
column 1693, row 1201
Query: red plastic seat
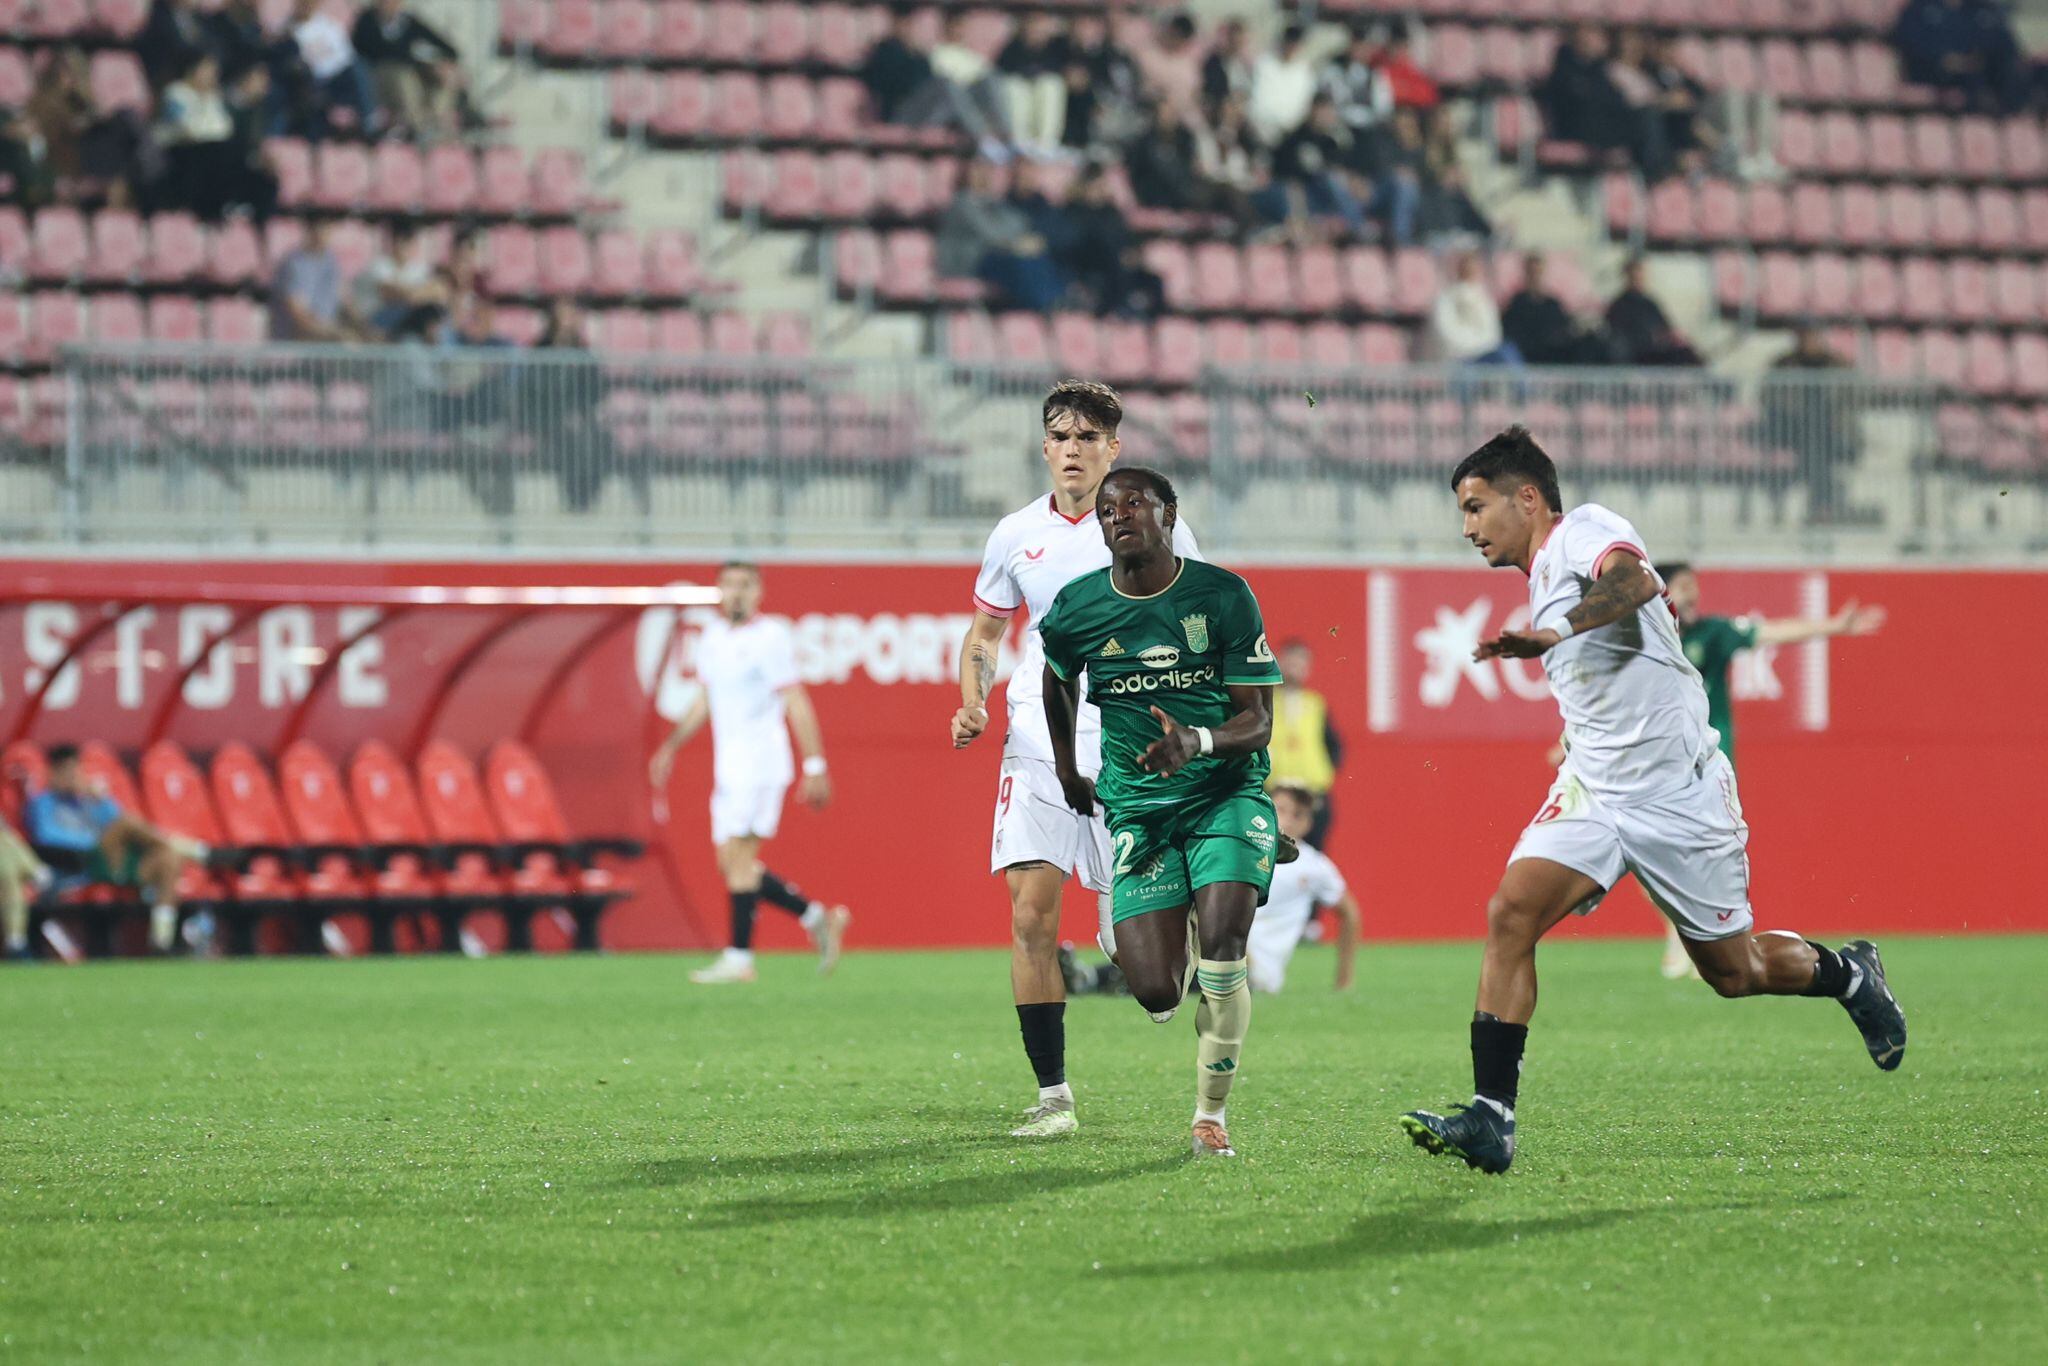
column 737, row 109
column 1177, row 351
column 1877, row 288
column 252, row 815
column 790, row 109
column 1934, row 146
column 1269, row 279
column 313, row 797
column 1997, row 215
column 117, row 83
column 2013, row 292
column 1923, row 291
column 55, row 321
column 1888, row 145
column 341, row 175
column 522, row 799
column 1969, row 293
column 59, row 244
column 120, row 246
column 909, row 270
column 1229, row 343
column 236, row 258
column 679, row 32
column 1169, row 260
column 1218, row 278
column 1768, row 215
column 728, row 33
column 115, row 318
column 504, row 186
column 174, row 798
column 1277, row 342
column 1832, row 288
column 175, row 318
column 565, row 264
column 1859, row 218
column 512, row 261
column 398, row 178
column 572, row 31
column 559, row 186
column 1905, row 214
column 626, row 30
column 176, row 250
column 782, row 34
column 387, row 804
column 453, row 801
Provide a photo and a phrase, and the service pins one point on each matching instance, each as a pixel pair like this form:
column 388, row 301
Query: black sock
column 743, row 918
column 1830, row 973
column 1044, row 1026
column 776, row 892
column 1497, row 1057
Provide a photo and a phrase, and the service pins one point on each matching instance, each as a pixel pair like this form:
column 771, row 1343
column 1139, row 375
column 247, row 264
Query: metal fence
column 425, row 450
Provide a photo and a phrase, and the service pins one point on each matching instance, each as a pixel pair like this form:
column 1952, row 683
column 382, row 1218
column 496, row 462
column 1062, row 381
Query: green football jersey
column 1711, row 644
column 1177, row 650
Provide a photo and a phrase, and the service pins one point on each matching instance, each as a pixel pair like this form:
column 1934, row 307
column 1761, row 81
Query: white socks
column 1061, row 1092
column 813, row 918
column 1506, row 1112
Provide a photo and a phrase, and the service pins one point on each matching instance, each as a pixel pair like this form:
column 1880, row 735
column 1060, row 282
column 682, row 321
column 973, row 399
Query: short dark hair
column 1150, row 478
column 1085, row 398
column 1671, row 569
column 1512, row 458
column 1294, row 790
column 63, row 752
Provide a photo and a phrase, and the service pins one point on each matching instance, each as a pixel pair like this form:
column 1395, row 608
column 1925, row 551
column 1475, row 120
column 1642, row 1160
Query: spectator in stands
column 209, row 167
column 1689, row 132
column 1102, row 87
column 977, row 92
column 1412, row 89
column 1283, row 88
column 1363, row 95
column 67, row 148
column 21, row 874
column 1227, row 154
column 237, row 37
column 1964, row 47
column 1543, row 329
column 1172, row 69
column 1447, row 212
column 174, row 36
column 1103, row 255
column 1581, row 102
column 982, row 236
column 1046, row 217
column 1227, row 70
column 316, row 73
column 1814, row 419
column 1464, row 323
column 305, row 293
column 906, row 86
column 83, row 834
column 418, row 72
column 1311, row 177
column 1641, row 332
column 1645, row 125
column 565, row 397
column 401, row 293
column 1034, row 64
column 1165, row 172
column 1396, row 163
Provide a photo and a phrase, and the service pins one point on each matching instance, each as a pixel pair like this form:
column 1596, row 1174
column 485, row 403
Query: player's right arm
column 1062, row 701
column 979, row 652
column 1624, row 585
column 1348, row 921
column 1853, row 620
column 692, row 720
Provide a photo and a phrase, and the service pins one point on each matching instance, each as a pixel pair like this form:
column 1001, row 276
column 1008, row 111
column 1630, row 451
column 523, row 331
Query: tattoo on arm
column 981, row 665
column 1610, row 598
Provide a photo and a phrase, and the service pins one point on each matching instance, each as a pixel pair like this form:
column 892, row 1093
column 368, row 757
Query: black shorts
column 66, row 862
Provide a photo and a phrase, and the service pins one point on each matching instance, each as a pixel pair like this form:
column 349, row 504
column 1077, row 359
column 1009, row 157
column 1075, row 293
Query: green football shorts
column 1161, row 857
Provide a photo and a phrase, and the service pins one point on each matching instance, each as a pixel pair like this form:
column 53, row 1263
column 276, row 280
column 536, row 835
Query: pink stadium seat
column 1841, row 143
column 1981, row 150
column 1942, row 357
column 732, row 334
column 849, row 186
column 13, row 335
column 237, row 255
column 1319, row 278
column 910, row 272
column 1954, row 226
column 1380, row 345
column 671, row 265
column 1923, row 291
column 55, row 321
column 1934, row 146
column 1874, row 72
column 341, row 175
column 1894, row 354
column 1075, row 342
column 1327, row 346
column 1218, row 279
column 398, row 178
column 1888, row 146
column 2013, row 292
column 1717, row 211
column 684, row 110
column 120, row 245
column 2026, row 149
column 795, row 187
column 790, row 109
column 786, row 336
column 1997, row 215
column 565, row 264
column 1987, row 364
column 729, row 32
column 841, row 35
column 1269, row 279
column 1969, row 293
column 355, row 244
column 1368, row 280
column 1228, row 342
column 1799, row 142
column 782, row 34
column 511, row 261
column 1767, row 215
column 678, row 31
column 1828, row 78
column 236, row 322
column 1736, row 61
column 573, row 33
column 292, row 159
column 1787, row 285
column 59, row 244
column 117, row 82
column 1859, row 216
column 504, row 187
column 17, row 80
column 970, row 338
column 1415, row 281
column 679, row 332
column 626, row 29
column 857, row 264
column 175, row 318
column 622, row 331
column 1503, row 56
column 1877, row 287
column 523, row 24
column 737, row 112
column 1277, row 342
column 2034, row 218
column 1177, row 351
column 116, row 318
column 901, row 187
column 1021, row 339
column 449, row 171
column 618, row 266
column 842, row 108
column 2030, row 368
column 1905, row 214
column 1170, row 261
column 559, row 187
column 1832, row 287
column 1453, row 55
column 1670, row 212
column 632, row 96
column 1733, row 286
column 176, row 251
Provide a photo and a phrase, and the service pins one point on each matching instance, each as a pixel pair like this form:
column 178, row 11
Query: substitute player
column 1176, row 657
column 1032, row 554
column 1299, row 890
column 747, row 665
column 1644, row 789
column 1711, row 643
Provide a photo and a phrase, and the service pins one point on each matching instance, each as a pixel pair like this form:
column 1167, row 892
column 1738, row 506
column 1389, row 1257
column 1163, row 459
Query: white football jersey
column 1635, row 710
column 1298, row 888
column 744, row 669
column 1032, row 554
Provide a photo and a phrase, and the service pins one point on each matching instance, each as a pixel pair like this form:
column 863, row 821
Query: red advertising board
column 1890, row 782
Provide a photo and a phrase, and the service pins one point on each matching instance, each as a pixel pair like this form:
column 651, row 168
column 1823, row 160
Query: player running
column 1644, row 789
column 1711, row 643
column 1176, row 657
column 1299, row 889
column 1032, row 554
column 747, row 665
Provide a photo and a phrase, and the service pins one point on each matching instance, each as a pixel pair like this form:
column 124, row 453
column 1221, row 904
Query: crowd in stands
column 1967, row 50
column 1300, row 142
column 221, row 82
column 1628, row 94
column 1466, row 326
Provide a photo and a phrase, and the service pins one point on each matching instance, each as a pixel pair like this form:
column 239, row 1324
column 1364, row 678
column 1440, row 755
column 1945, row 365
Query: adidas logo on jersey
column 1265, row 863
column 1112, row 650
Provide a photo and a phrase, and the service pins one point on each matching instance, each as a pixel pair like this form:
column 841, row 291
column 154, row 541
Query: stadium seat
column 59, row 245
column 342, row 175
column 116, row 319
column 453, row 801
column 120, row 246
column 252, row 815
column 176, row 250
column 564, row 262
column 175, row 318
column 522, row 799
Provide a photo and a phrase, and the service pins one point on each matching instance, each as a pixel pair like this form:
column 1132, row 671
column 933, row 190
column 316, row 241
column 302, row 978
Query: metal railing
column 416, row 449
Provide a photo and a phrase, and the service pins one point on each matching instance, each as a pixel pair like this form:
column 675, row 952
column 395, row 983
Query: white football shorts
column 1034, row 824
column 1688, row 849
column 740, row 811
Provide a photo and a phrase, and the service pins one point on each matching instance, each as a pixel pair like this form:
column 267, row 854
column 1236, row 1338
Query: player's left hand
column 1170, row 752
column 1517, row 645
column 817, row 791
column 1857, row 620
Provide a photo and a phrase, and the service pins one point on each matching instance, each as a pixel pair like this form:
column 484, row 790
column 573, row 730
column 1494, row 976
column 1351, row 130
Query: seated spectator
column 237, row 37
column 1689, row 132
column 305, row 293
column 1034, row 64
column 1227, row 70
column 22, row 875
column 318, row 73
column 1172, row 69
column 1412, row 89
column 1578, row 98
column 1102, row 87
column 1165, row 173
column 418, row 72
column 1644, row 126
column 209, row 165
column 1446, row 211
column 1103, row 256
column 1641, row 333
column 1047, row 218
column 906, row 87
column 1363, row 95
column 26, row 163
column 564, row 394
column 1227, row 153
column 1814, row 419
column 1283, row 88
column 401, row 285
column 74, row 151
column 175, row 35
column 1310, row 173
column 82, row 834
column 1464, row 324
column 1397, row 165
column 1543, row 329
column 979, row 94
column 982, row 236
column 1965, row 47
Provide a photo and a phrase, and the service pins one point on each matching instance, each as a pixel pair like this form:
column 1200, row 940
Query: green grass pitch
column 590, row 1160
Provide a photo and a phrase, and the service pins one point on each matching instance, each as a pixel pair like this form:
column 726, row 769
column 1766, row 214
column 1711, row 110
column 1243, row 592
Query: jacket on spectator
column 892, row 73
column 1464, row 321
column 409, row 39
column 974, row 225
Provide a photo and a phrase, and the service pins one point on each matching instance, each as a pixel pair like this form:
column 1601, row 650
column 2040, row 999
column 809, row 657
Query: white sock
column 1855, row 979
column 17, row 942
column 741, row 956
column 1161, row 1016
column 813, row 917
column 1506, row 1112
column 1216, row 1118
column 1061, row 1092
column 163, row 925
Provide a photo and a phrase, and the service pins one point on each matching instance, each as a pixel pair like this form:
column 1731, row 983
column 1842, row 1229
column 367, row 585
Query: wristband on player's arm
column 1564, row 629
column 1205, row 740
column 814, row 767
